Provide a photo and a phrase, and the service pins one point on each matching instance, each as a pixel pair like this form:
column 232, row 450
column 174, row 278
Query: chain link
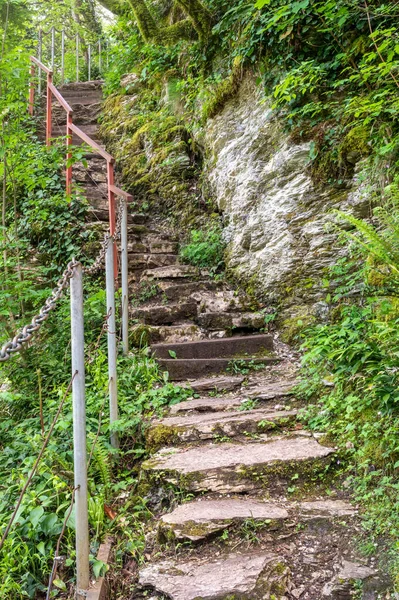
column 25, row 335
column 98, row 263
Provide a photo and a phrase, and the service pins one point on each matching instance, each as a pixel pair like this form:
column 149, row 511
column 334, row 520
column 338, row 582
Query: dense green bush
column 205, row 249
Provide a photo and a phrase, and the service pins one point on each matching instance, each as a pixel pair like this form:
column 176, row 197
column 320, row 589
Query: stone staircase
column 246, row 505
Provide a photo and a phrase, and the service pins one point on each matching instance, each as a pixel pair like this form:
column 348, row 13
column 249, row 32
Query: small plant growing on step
column 205, row 249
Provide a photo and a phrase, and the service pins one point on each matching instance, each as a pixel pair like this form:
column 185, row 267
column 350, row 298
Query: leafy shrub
column 205, row 249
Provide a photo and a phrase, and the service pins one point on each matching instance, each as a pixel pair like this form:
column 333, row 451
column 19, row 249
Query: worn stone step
column 141, row 334
column 215, row 384
column 150, row 261
column 185, row 368
column 255, row 575
column 174, row 272
column 223, row 301
column 164, row 314
column 82, row 86
column 201, row 518
column 228, row 467
column 274, row 391
column 252, row 575
column 251, row 344
column 178, row 290
column 174, row 430
column 251, row 321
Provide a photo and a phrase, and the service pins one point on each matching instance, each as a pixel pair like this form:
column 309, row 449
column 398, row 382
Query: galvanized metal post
column 31, row 89
column 79, row 434
column 62, row 56
column 89, row 61
column 77, row 57
column 125, row 283
column 49, row 109
column 39, row 55
column 111, row 208
column 52, row 48
column 111, row 338
column 69, row 155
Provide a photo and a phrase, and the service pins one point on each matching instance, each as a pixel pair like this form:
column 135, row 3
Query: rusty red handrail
column 71, row 129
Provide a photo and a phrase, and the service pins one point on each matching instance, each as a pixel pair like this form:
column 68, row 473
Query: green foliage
column 350, row 367
column 205, row 249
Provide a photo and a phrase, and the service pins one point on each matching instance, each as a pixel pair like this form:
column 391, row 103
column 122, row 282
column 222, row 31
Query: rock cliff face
column 276, row 221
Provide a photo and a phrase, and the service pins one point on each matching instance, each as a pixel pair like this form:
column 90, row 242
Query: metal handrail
column 71, row 128
column 86, row 138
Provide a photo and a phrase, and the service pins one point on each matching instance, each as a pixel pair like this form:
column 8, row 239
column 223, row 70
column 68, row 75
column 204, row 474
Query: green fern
column 100, row 467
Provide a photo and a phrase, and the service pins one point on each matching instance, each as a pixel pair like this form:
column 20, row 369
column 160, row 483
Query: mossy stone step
column 200, row 519
column 172, row 430
column 146, row 334
column 228, row 467
column 173, row 272
column 252, row 575
column 249, row 321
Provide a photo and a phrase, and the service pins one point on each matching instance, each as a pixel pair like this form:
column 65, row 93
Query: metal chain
column 97, row 265
column 24, row 336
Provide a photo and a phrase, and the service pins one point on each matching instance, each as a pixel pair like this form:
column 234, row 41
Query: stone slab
column 219, row 384
column 164, row 314
column 180, row 369
column 237, row 467
column 344, row 584
column 231, row 346
column 209, row 404
column 172, row 272
column 247, row 576
column 197, row 520
column 204, row 427
column 326, row 508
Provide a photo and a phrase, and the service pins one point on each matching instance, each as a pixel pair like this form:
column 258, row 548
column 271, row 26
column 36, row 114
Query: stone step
column 178, row 290
column 233, row 346
column 150, row 261
column 228, row 467
column 275, row 391
column 218, row 385
column 183, row 368
column 254, row 575
column 142, row 335
column 82, row 86
column 202, row 518
column 192, row 428
column 250, row 321
column 164, row 314
column 175, row 272
column 223, row 301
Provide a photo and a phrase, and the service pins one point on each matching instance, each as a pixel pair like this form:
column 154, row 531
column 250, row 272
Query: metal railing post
column 111, row 209
column 111, row 338
column 49, row 110
column 40, row 59
column 79, row 434
column 77, row 57
column 125, row 281
column 62, row 57
column 89, row 61
column 31, row 89
column 52, row 48
column 69, row 155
